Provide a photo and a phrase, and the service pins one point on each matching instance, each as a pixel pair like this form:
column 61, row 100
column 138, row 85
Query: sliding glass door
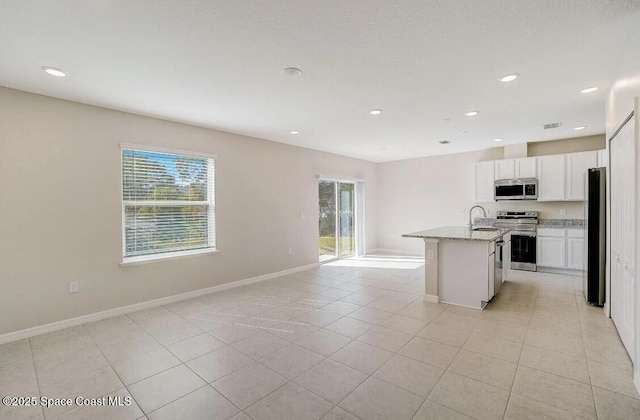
column 346, row 218
column 337, row 219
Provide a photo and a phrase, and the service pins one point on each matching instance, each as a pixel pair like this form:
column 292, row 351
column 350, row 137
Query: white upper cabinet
column 576, row 166
column 551, row 178
column 560, row 177
column 515, row 168
column 505, row 169
column 526, row 167
column 484, row 178
column 603, row 158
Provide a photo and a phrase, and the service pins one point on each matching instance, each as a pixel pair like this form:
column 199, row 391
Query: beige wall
column 576, row 144
column 61, row 212
column 424, row 193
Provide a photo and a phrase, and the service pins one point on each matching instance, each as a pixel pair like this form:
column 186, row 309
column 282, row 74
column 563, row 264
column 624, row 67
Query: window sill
column 146, row 259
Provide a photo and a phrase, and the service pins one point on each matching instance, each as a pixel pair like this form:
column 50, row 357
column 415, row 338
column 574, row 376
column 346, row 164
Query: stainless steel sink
column 486, row 229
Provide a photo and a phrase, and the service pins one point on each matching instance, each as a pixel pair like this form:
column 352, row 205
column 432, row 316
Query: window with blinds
column 167, row 202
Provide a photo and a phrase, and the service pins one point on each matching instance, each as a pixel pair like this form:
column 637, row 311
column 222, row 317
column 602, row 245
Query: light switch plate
column 74, row 287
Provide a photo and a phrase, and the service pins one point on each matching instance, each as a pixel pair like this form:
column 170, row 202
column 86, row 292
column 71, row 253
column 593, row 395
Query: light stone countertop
column 542, row 223
column 561, row 223
column 458, row 233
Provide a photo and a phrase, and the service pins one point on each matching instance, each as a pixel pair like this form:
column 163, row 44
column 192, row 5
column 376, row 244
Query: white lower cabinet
column 550, row 251
column 575, row 249
column 560, row 248
column 471, row 284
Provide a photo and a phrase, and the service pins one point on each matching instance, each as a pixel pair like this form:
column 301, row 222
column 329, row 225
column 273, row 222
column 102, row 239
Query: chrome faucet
column 484, row 214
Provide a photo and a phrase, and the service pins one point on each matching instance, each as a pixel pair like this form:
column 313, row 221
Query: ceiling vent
column 445, row 142
column 552, row 125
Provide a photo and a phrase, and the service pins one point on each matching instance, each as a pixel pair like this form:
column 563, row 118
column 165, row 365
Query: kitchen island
column 462, row 266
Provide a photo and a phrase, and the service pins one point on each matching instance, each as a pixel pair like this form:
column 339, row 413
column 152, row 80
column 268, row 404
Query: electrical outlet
column 302, row 215
column 430, row 255
column 563, row 212
column 290, row 251
column 74, row 287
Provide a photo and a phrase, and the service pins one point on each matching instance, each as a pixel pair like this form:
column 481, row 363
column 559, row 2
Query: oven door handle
column 529, row 234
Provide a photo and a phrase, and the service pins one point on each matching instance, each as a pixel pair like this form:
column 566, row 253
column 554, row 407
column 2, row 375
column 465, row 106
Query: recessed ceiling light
column 292, row 71
column 444, row 141
column 582, row 127
column 471, row 113
column 375, row 112
column 53, row 71
column 294, row 132
column 498, row 139
column 589, row 90
column 509, row 77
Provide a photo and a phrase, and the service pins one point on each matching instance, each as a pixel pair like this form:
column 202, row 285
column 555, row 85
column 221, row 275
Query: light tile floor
column 350, row 339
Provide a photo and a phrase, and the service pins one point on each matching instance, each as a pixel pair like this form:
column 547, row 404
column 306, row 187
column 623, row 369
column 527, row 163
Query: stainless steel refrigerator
column 594, row 236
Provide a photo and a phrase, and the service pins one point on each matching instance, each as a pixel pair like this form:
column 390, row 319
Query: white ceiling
column 219, row 64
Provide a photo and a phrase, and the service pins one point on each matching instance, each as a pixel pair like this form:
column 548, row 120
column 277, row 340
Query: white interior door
column 622, row 293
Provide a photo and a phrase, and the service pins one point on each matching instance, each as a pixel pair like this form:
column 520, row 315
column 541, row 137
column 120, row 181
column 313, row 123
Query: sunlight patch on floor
column 380, row 261
column 324, row 258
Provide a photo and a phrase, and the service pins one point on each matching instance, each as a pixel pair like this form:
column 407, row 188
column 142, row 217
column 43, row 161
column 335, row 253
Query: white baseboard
column 564, row 271
column 392, row 251
column 541, row 274
column 97, row 316
column 430, row 298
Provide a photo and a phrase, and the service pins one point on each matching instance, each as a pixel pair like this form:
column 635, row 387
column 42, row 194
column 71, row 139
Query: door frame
column 358, row 211
column 635, row 327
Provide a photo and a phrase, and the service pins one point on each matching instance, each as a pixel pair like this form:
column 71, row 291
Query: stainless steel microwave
column 516, row 189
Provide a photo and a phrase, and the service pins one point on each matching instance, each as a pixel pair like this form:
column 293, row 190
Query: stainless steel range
column 524, row 226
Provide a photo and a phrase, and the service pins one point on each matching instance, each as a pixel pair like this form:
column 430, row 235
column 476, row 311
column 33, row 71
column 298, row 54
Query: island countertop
column 458, row 233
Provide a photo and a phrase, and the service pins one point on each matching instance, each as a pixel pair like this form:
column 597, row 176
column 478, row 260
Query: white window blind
column 167, row 202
